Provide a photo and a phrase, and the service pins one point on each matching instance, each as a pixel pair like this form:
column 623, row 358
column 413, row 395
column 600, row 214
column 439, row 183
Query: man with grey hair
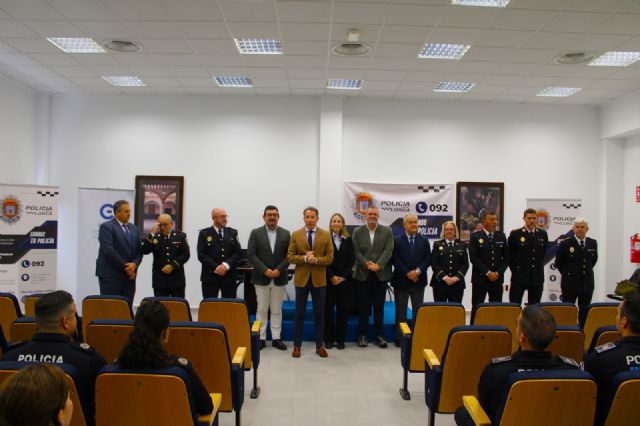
column 576, row 257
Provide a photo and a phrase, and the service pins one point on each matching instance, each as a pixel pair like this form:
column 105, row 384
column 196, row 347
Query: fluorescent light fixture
column 559, row 92
column 336, row 83
column 76, row 44
column 443, row 51
column 453, row 86
column 258, row 46
column 230, row 81
column 124, row 80
column 485, row 3
column 616, row 59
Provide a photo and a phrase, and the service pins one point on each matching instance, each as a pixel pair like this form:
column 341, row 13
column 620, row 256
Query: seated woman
column 146, row 350
column 37, row 395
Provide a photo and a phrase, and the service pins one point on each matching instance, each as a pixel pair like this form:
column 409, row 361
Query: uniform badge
column 522, row 239
column 85, row 346
column 183, row 361
column 441, row 248
column 209, row 238
column 481, row 240
column 571, row 249
column 155, row 241
column 174, row 234
column 500, row 359
column 569, row 361
column 605, row 347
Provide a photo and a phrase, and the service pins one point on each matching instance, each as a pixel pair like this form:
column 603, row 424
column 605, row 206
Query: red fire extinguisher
column 635, row 248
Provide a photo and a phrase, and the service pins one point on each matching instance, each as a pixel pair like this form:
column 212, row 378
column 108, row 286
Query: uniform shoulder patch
column 83, row 346
column 499, row 359
column 569, row 361
column 183, row 361
column 607, row 346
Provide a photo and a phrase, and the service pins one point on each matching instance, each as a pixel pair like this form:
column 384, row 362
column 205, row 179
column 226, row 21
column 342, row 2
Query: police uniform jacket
column 526, row 256
column 576, row 264
column 488, row 255
column 212, row 251
column 173, row 250
column 451, row 262
column 494, row 377
column 200, row 394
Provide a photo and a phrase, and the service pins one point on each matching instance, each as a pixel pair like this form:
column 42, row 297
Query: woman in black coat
column 450, row 263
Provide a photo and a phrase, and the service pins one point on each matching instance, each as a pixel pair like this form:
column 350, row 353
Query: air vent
column 123, row 46
column 573, row 58
column 353, row 46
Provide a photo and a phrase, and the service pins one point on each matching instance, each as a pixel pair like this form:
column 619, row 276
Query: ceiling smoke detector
column 352, row 47
column 123, row 46
column 573, row 58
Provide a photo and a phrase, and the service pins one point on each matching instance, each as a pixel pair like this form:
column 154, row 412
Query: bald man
column 170, row 252
column 219, row 251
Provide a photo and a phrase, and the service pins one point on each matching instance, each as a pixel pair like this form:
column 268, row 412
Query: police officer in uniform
column 56, row 322
column 536, row 329
column 219, row 251
column 575, row 260
column 170, row 252
column 623, row 355
column 527, row 246
column 450, row 263
column 489, row 253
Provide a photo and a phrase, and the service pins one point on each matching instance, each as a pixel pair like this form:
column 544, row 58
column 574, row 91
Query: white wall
column 631, row 207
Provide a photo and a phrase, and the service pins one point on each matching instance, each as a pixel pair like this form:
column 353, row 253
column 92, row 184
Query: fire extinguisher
column 635, row 248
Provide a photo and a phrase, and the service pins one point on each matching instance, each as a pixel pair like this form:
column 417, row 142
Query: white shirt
column 337, row 239
column 372, row 234
column 271, row 234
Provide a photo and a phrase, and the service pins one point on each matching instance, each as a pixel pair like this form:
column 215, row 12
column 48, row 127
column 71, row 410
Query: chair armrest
column 475, row 410
column 216, row 398
column 431, row 358
column 238, row 357
column 255, row 328
column 404, row 328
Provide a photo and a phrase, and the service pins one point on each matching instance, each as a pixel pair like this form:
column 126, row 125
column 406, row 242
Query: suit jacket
column 117, row 249
column 379, row 253
column 343, row 259
column 262, row 258
column 452, row 262
column 405, row 260
column 526, row 257
column 323, row 250
column 576, row 264
column 170, row 250
column 212, row 251
column 488, row 256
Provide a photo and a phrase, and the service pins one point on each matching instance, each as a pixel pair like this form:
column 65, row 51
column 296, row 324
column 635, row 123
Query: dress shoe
column 340, row 345
column 328, row 345
column 381, row 342
column 320, row 350
column 362, row 341
column 277, row 343
column 296, row 352
column 397, row 342
column 263, row 344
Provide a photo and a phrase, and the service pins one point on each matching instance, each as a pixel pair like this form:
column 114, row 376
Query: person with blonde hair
column 450, row 263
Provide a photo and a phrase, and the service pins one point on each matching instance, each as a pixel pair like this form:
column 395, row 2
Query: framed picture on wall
column 156, row 195
column 472, row 200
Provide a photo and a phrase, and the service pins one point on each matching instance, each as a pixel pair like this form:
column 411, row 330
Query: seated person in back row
column 146, row 350
column 536, row 329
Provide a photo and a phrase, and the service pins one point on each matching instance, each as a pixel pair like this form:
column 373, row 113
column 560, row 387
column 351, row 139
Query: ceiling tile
column 596, row 5
column 188, row 71
column 104, row 29
column 404, row 34
column 67, row 71
column 234, row 10
column 550, row 40
column 619, row 24
column 503, row 38
column 142, row 71
column 255, row 30
column 36, row 71
column 385, row 75
column 105, row 71
column 212, row 90
column 294, row 47
column 578, row 22
column 473, row 67
column 221, row 60
column 139, row 59
column 306, row 61
column 178, row 59
column 196, row 81
column 193, row 29
column 31, row 45
column 470, row 17
column 480, row 53
column 425, row 76
column 150, row 10
column 192, row 10
column 381, row 85
column 270, row 91
column 264, row 60
column 97, row 90
column 60, row 59
column 500, row 80
column 360, row 13
column 213, row 46
column 307, row 92
column 522, row 20
column 454, row 35
column 433, row 64
column 538, row 81
column 30, row 9
column 306, row 73
column 632, row 45
column 534, row 56
column 539, row 4
column 89, row 81
column 511, row 68
column 391, row 63
column 600, row 42
column 54, row 28
column 307, row 84
column 15, row 29
column 368, row 33
column 402, row 14
column 279, row 73
column 396, row 50
column 270, row 82
column 17, row 59
column 169, row 90
column 297, row 11
column 154, row 29
column 348, row 62
column 555, row 70
column 83, row 9
column 94, row 59
column 300, row 31
column 482, row 88
column 511, row 98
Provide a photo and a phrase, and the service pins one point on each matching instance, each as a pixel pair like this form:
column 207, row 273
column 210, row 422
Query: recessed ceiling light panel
column 122, row 46
column 453, row 87
column 485, row 3
column 124, row 80
column 258, row 46
column 559, row 92
column 616, row 59
column 234, row 81
column 443, row 51
column 346, row 84
column 76, row 44
column 573, row 58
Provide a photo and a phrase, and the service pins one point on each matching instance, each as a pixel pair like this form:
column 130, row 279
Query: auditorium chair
column 602, row 335
column 108, row 337
column 78, row 391
column 233, row 314
column 504, row 314
column 598, row 315
column 468, row 351
column 534, row 398
column 104, row 307
column 23, row 329
column 30, row 304
column 569, row 342
column 206, row 346
column 9, row 312
column 431, row 327
column 178, row 307
column 159, row 397
column 564, row 313
column 3, row 344
column 620, row 400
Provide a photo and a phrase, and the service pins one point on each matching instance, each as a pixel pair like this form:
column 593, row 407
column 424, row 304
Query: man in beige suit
column 311, row 250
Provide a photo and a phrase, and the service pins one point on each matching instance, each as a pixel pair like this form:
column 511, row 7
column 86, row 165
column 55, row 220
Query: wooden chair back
column 504, row 314
column 598, row 315
column 23, row 329
column 178, row 308
column 30, row 305
column 625, row 403
column 104, row 307
column 564, row 313
column 108, row 337
column 569, row 342
column 9, row 312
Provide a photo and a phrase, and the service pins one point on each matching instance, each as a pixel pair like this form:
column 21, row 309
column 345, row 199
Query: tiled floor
column 355, row 386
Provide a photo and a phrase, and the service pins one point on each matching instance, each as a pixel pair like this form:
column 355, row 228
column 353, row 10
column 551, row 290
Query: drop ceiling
column 186, row 43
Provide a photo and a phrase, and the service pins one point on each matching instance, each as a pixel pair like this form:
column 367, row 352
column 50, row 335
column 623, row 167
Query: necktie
column 310, row 239
column 450, row 244
column 491, row 236
column 411, row 246
column 582, row 244
column 127, row 235
column 220, row 233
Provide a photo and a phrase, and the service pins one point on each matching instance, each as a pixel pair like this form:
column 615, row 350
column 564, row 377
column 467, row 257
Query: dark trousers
column 584, row 300
column 117, row 287
column 479, row 293
column 211, row 290
column 371, row 292
column 317, row 298
column 335, row 326
column 516, row 292
column 169, row 292
column 448, row 293
column 402, row 293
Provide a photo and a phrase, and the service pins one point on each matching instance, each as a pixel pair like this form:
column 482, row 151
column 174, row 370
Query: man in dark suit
column 489, row 253
column 575, row 260
column 267, row 253
column 119, row 254
column 411, row 259
column 219, row 252
column 170, row 252
column 527, row 246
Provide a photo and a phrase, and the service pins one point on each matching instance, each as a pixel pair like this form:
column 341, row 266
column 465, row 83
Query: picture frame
column 472, row 199
column 156, row 195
